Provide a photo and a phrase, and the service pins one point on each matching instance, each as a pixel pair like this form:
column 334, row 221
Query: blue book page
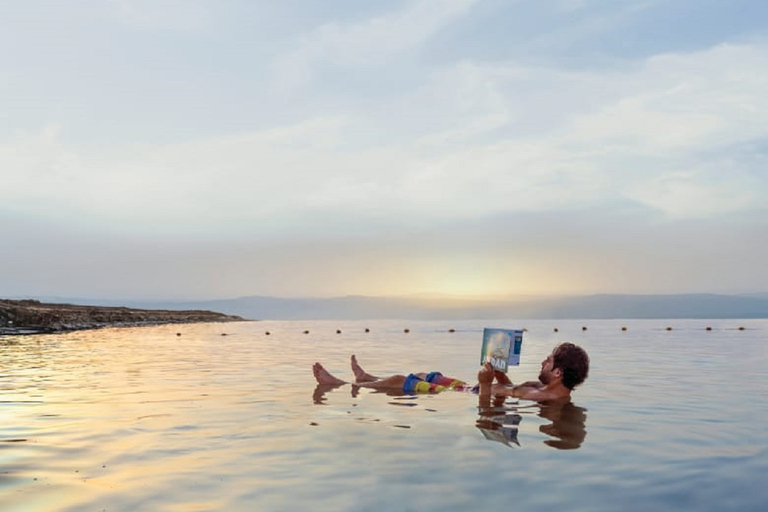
column 501, row 347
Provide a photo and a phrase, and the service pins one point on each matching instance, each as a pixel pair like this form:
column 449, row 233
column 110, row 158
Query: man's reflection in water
column 499, row 421
column 567, row 428
column 498, row 424
column 319, row 398
column 318, row 395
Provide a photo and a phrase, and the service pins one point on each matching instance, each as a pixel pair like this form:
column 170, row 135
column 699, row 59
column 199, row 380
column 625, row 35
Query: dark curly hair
column 573, row 361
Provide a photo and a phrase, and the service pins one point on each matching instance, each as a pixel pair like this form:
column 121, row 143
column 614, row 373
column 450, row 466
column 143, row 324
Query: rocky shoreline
column 35, row 317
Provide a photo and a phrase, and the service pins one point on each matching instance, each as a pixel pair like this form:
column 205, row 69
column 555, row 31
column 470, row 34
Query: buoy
column 556, row 330
column 223, row 334
column 338, row 331
column 178, row 334
column 623, row 328
column 584, row 328
column 669, row 328
column 406, row 331
column 709, row 329
column 451, row 330
column 306, row 332
column 367, row 330
column 267, row 333
column 741, row 328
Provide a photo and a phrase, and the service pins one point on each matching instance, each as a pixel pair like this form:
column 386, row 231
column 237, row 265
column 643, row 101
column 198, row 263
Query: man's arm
column 520, row 391
column 485, row 380
column 530, row 390
column 502, row 379
column 486, row 376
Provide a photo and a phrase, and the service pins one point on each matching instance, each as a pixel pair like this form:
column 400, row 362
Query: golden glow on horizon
column 472, row 277
column 400, row 273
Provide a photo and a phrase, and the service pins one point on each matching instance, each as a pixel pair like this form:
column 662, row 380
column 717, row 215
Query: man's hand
column 486, row 374
column 501, row 377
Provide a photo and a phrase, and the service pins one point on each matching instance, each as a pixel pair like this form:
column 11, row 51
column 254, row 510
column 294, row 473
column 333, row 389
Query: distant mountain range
column 604, row 306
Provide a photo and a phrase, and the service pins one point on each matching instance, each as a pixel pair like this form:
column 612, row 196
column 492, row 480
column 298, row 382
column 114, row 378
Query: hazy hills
column 581, row 307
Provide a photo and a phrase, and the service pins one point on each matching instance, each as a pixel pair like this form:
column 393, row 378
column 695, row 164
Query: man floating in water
column 564, row 369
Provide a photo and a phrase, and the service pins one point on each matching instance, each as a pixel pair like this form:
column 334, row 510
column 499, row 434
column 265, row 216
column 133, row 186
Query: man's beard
column 544, row 378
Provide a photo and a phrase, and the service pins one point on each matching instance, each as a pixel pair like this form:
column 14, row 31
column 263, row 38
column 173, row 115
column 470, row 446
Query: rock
column 32, row 316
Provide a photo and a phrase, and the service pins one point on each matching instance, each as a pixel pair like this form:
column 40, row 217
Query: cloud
column 367, row 43
column 686, row 100
column 671, row 132
column 679, row 139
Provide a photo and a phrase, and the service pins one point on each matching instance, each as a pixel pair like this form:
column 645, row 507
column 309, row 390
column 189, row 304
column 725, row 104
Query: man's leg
column 360, row 374
column 413, row 383
column 392, row 382
column 323, row 376
column 365, row 379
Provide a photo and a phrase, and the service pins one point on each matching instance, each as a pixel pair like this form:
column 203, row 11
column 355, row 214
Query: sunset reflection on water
column 143, row 419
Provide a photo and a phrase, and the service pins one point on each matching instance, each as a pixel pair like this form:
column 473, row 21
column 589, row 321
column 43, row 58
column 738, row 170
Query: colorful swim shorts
column 448, row 382
column 414, row 384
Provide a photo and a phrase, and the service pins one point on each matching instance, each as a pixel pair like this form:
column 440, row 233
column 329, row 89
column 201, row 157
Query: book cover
column 501, row 347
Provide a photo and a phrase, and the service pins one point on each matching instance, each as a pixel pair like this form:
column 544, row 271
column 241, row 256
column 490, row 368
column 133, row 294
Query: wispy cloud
column 367, row 43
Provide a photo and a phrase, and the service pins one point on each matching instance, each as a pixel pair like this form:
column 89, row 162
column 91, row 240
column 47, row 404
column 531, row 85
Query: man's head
column 567, row 361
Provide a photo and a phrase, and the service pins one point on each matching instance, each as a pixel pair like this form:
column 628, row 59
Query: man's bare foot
column 360, row 374
column 324, row 377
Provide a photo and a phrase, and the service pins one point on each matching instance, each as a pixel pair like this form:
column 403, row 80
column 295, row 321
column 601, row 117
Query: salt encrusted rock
column 32, row 316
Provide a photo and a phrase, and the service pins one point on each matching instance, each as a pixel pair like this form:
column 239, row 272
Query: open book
column 501, row 347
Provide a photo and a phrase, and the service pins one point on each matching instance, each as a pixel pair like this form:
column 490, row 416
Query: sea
column 228, row 417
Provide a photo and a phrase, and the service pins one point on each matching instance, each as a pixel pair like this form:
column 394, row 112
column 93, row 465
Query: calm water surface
column 145, row 419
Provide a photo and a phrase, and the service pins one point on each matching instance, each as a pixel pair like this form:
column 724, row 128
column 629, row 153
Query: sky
column 202, row 149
